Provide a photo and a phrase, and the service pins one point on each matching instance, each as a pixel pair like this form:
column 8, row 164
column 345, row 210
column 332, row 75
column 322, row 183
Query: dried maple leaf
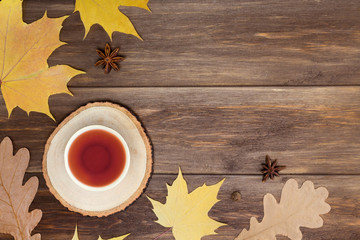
column 15, row 198
column 76, row 236
column 107, row 14
column 297, row 208
column 25, row 77
column 187, row 214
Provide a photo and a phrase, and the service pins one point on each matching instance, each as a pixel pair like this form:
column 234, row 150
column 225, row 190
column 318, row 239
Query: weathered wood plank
column 222, row 130
column 231, row 42
column 341, row 223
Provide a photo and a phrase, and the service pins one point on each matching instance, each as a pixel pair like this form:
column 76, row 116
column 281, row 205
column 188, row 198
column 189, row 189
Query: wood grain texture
column 218, row 43
column 217, row 84
column 341, row 223
column 222, row 130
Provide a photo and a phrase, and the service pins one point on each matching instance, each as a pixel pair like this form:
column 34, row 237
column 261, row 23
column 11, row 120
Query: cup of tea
column 97, row 158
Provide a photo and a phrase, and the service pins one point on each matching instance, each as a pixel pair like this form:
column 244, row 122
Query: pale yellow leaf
column 107, row 14
column 116, row 238
column 76, row 236
column 187, row 214
column 297, row 208
column 26, row 79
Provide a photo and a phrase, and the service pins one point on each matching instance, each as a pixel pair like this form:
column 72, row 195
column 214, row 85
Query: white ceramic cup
column 109, row 130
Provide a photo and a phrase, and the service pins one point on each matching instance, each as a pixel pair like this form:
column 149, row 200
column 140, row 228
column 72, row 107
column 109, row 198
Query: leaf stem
column 158, row 236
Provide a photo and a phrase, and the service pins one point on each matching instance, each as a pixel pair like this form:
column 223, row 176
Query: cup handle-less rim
column 109, row 130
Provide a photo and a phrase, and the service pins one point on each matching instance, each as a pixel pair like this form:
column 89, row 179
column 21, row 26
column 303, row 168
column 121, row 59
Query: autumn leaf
column 187, row 214
column 25, row 77
column 115, row 238
column 15, row 198
column 297, row 208
column 76, row 236
column 107, row 14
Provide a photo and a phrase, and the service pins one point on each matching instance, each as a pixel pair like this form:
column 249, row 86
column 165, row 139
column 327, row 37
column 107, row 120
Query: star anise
column 270, row 168
column 109, row 59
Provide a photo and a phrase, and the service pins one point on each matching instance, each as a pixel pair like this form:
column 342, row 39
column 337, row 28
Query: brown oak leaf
column 15, row 198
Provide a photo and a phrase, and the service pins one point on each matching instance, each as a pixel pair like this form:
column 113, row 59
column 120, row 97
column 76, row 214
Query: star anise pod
column 270, row 168
column 109, row 58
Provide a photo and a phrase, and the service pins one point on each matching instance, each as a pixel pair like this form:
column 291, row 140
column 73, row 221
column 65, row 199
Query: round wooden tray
column 107, row 202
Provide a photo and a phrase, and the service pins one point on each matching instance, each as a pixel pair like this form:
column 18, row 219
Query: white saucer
column 128, row 190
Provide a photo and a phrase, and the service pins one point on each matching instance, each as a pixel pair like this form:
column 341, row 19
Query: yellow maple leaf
column 187, row 214
column 76, row 236
column 25, row 77
column 107, row 14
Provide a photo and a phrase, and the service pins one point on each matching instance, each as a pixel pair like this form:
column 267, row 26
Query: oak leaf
column 187, row 214
column 107, row 14
column 15, row 198
column 297, row 208
column 25, row 77
column 76, row 236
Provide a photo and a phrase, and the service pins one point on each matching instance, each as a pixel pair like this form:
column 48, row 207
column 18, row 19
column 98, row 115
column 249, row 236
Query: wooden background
column 218, row 85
